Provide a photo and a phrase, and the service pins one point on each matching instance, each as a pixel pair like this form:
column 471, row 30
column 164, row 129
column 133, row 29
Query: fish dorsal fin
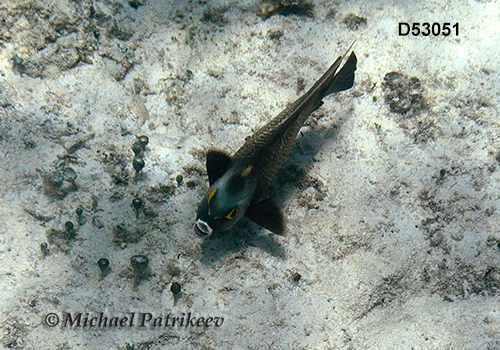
column 267, row 214
column 218, row 162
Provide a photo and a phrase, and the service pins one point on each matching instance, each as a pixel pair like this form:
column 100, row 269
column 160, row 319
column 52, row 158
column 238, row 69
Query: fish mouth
column 202, row 229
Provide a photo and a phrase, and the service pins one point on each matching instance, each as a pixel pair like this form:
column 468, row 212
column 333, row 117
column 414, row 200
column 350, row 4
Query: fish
column 238, row 182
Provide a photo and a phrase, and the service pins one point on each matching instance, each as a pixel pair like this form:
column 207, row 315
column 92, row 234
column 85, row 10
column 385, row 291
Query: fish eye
column 232, row 214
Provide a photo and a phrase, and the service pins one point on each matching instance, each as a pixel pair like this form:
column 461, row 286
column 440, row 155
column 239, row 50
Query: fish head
column 225, row 202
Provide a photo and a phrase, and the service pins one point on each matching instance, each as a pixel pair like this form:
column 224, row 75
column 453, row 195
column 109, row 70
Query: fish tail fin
column 333, row 81
column 343, row 79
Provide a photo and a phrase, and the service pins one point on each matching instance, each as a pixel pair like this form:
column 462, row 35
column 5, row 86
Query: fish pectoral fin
column 217, row 164
column 267, row 214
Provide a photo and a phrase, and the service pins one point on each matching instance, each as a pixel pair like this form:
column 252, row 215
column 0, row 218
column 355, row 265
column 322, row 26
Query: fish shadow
column 237, row 241
column 295, row 170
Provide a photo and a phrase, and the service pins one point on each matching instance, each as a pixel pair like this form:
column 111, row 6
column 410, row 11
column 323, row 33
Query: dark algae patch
column 286, row 8
column 403, row 94
column 354, row 22
column 405, row 97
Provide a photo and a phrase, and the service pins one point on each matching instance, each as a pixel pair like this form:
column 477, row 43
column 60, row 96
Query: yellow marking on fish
column 232, row 214
column 246, row 171
column 211, row 194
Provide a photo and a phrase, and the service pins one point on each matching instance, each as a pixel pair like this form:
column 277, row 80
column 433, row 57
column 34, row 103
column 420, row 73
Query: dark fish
column 237, row 182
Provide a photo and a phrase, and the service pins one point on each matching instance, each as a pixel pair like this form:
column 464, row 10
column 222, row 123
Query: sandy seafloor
column 391, row 194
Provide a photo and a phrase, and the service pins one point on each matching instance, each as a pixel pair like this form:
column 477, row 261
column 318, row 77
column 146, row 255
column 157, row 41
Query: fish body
column 238, row 182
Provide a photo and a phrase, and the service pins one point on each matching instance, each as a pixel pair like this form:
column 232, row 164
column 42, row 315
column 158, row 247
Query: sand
column 391, row 193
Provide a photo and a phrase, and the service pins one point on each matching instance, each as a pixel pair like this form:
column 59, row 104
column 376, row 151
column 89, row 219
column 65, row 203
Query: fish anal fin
column 218, row 162
column 267, row 214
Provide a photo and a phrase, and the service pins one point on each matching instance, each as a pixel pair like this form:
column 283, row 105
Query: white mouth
column 202, row 229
